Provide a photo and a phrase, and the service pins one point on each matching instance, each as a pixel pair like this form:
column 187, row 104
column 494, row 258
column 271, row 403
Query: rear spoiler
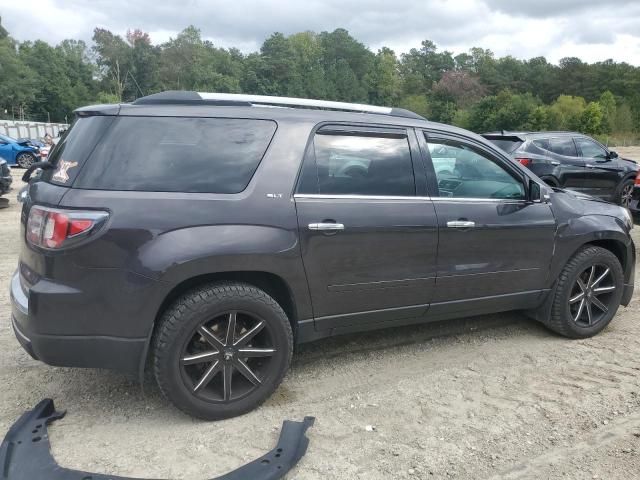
column 503, row 136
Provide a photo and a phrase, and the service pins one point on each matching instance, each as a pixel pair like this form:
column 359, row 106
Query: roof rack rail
column 177, row 97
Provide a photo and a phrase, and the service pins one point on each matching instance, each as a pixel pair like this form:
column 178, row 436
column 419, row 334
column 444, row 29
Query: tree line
column 475, row 89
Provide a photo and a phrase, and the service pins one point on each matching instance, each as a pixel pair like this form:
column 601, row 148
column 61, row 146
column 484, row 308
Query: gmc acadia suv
column 203, row 235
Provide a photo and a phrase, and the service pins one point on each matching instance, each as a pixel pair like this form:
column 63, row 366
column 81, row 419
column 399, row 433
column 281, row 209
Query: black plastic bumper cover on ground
column 25, row 453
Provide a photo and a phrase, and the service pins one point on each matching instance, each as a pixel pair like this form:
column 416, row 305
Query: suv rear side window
column 362, row 164
column 177, row 154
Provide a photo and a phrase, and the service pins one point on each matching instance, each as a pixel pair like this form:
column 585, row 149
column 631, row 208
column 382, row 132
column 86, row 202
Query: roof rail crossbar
column 236, row 99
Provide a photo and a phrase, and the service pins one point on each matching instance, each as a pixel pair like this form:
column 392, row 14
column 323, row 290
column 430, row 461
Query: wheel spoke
column 589, row 313
column 599, row 304
column 580, row 309
column 600, row 290
column 244, row 369
column 256, row 352
column 227, row 377
column 231, row 328
column 244, row 339
column 199, row 358
column 600, row 278
column 591, row 275
column 210, row 338
column 581, row 284
column 579, row 296
column 211, row 372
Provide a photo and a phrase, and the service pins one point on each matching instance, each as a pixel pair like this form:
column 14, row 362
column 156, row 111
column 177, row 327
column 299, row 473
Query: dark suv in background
column 202, row 235
column 572, row 160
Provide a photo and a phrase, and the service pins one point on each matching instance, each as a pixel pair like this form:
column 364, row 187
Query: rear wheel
column 221, row 350
column 588, row 293
column 25, row 159
column 625, row 193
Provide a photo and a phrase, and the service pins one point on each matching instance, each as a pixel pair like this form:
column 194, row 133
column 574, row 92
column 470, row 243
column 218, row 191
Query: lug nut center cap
column 228, row 355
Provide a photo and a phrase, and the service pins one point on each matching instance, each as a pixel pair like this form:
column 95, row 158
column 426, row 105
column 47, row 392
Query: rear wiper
column 38, row 165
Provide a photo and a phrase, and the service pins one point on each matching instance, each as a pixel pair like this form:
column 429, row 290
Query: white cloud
column 592, row 30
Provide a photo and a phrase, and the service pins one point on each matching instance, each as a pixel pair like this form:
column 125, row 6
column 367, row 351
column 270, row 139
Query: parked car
column 145, row 248
column 5, row 177
column 15, row 152
column 572, row 160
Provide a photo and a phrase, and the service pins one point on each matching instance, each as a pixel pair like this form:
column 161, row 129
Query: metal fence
column 32, row 130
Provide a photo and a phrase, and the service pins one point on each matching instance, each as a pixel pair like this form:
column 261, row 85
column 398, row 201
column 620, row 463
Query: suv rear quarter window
column 177, row 154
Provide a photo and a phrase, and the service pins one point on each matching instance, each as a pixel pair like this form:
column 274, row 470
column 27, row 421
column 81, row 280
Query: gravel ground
column 486, row 397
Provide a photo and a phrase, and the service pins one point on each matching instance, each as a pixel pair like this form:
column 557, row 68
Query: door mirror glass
column 535, row 192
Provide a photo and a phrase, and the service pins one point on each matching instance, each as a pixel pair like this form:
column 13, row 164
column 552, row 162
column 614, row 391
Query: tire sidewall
column 167, row 357
column 610, row 261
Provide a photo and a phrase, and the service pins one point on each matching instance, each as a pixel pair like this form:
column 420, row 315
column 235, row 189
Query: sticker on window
column 61, row 175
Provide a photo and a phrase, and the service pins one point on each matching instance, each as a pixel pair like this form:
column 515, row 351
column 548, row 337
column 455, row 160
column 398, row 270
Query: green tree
column 591, row 119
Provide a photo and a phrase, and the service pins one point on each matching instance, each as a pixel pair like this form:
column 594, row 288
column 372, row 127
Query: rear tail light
column 638, row 178
column 524, row 161
column 53, row 228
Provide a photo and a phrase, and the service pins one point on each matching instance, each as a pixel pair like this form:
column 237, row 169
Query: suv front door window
column 363, row 230
column 461, row 171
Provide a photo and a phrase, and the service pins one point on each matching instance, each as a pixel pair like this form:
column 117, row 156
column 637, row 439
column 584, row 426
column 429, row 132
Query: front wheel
column 25, row 159
column 221, row 350
column 588, row 293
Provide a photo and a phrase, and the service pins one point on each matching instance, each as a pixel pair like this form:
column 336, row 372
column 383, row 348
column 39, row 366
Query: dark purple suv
column 202, row 235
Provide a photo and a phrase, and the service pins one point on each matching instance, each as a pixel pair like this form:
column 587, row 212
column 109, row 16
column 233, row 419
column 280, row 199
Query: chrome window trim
column 357, row 197
column 391, row 197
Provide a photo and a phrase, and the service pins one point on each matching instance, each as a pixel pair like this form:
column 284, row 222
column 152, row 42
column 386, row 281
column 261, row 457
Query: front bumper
column 92, row 351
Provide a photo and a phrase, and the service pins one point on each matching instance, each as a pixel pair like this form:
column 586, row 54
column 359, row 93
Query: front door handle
column 461, row 224
column 326, row 227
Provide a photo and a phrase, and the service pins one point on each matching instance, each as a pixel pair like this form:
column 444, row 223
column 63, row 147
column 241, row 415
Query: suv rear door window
column 352, row 163
column 563, row 146
column 177, row 154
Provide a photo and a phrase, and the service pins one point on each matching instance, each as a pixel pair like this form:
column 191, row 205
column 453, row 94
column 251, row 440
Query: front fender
column 575, row 232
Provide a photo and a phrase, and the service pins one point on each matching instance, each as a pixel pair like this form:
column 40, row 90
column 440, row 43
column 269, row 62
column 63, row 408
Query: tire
column 195, row 328
column 25, row 159
column 568, row 317
column 625, row 193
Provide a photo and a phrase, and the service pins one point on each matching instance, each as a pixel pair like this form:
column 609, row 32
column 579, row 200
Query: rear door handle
column 326, row 227
column 461, row 224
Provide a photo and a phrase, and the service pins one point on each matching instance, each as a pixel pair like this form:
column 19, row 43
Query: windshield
column 7, row 139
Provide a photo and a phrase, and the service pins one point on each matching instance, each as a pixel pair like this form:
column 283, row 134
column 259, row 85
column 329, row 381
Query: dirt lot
column 487, row 397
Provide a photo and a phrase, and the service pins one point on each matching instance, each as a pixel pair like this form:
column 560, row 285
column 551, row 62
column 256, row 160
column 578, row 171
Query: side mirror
column 612, row 155
column 535, row 192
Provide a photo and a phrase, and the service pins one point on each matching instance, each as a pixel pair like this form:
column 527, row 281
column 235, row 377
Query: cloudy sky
column 590, row 29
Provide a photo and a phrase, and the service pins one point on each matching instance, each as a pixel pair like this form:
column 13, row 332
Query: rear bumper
column 92, row 351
